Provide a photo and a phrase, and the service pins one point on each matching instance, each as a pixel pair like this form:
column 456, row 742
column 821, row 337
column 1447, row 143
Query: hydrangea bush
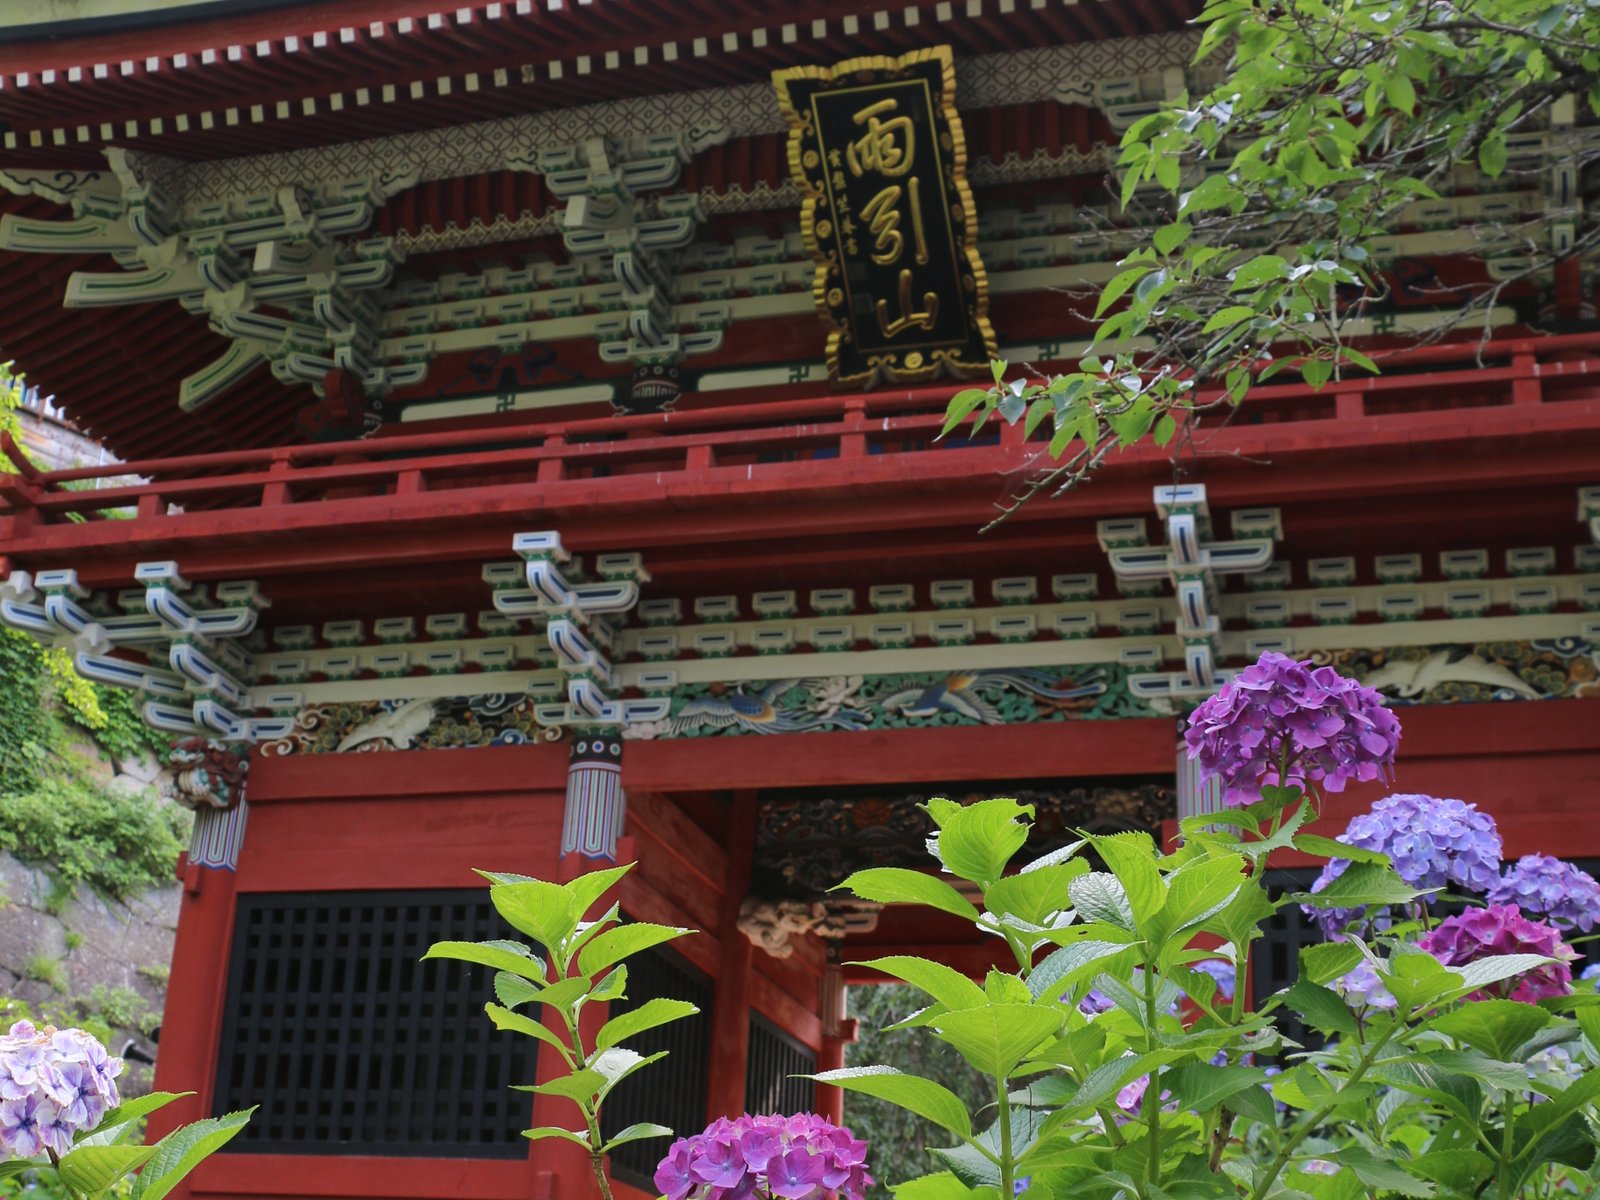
column 60, row 1113
column 1448, row 1051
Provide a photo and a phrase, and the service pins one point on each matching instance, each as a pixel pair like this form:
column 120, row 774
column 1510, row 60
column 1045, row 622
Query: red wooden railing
column 1461, row 389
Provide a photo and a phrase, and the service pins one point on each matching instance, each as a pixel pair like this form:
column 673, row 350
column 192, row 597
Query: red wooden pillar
column 837, row 1033
column 196, row 996
column 730, row 1027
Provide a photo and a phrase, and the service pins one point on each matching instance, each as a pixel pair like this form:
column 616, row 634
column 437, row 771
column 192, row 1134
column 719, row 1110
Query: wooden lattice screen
column 351, row 1045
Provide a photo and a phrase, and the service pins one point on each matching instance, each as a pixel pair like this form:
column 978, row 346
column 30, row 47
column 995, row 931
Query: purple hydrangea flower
column 1319, row 1166
column 1095, row 1002
column 1329, row 728
column 1557, row 891
column 1592, row 971
column 1502, row 929
column 801, row 1157
column 1431, row 843
column 54, row 1084
column 1361, row 987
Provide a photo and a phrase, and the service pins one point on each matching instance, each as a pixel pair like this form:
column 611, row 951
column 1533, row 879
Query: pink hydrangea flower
column 802, row 1157
column 1327, row 727
column 1502, row 929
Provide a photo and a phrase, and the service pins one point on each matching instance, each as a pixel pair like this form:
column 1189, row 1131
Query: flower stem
column 1151, row 1110
column 1008, row 1168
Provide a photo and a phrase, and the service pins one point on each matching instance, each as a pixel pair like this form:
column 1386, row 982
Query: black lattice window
column 775, row 1059
column 674, row 1092
column 1275, row 956
column 351, row 1045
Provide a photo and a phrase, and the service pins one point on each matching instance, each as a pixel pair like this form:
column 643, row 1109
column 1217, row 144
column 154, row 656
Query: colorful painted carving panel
column 876, row 147
column 1562, row 669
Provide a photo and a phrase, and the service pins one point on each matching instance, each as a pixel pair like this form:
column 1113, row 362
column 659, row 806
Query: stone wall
column 100, row 955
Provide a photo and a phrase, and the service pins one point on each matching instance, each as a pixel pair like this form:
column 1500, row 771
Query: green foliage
column 1436, row 1098
column 115, row 842
column 900, row 1137
column 121, row 1007
column 157, row 973
column 1266, row 201
column 46, row 969
column 582, row 964
column 74, row 940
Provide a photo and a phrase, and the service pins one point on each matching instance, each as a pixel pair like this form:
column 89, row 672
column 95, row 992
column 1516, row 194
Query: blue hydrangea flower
column 1592, row 971
column 1558, row 891
column 1432, row 843
column 1220, row 970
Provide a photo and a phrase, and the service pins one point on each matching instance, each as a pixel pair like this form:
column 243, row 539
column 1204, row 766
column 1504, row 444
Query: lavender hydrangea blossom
column 1361, row 987
column 1280, row 713
column 1432, row 843
column 1559, row 892
column 802, row 1157
column 1502, row 929
column 54, row 1084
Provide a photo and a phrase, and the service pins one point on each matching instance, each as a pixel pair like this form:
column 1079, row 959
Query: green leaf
column 587, row 888
column 1360, row 885
column 1492, row 154
column 976, row 841
column 17, row 1166
column 501, row 955
column 93, row 1169
column 1203, row 887
column 897, row 885
column 579, row 1086
column 1397, row 86
column 1201, row 1086
column 1132, row 859
column 613, row 986
column 1118, row 287
column 1037, row 895
column 1169, row 237
column 540, row 1132
column 182, row 1150
column 1327, row 961
column 636, row 1133
column 648, row 1015
column 546, row 912
column 1099, row 896
column 617, row 1063
column 1109, row 1078
column 1326, row 847
column 1059, row 970
column 1458, row 1170
column 1165, row 428
column 1225, row 318
column 619, row 943
column 996, row 1038
column 1378, row 1173
column 927, row 1099
column 121, row 1120
column 961, row 407
column 504, row 1018
column 1496, row 1027
column 1322, row 1008
column 943, row 1186
column 1485, row 971
column 946, row 985
column 513, row 990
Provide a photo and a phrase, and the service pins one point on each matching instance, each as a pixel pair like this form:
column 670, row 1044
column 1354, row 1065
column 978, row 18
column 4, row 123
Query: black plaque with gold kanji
column 875, row 145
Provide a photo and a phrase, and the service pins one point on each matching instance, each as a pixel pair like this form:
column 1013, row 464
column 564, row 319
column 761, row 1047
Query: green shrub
column 115, row 842
column 46, row 970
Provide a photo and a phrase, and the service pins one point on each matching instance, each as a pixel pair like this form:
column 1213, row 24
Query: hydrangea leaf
column 996, row 1038
column 501, row 955
column 1327, row 961
column 942, row 1186
column 1132, row 859
column 1380, row 1173
column 546, row 912
column 636, row 1132
column 1460, row 1171
column 504, row 1018
column 945, row 984
column 619, row 943
column 1326, row 847
column 1099, row 896
column 1106, row 1080
column 657, row 1011
column 122, row 1120
column 1035, row 895
column 927, row 1099
column 584, row 890
column 1200, row 1087
column 898, row 885
column 976, row 841
column 182, row 1150
column 1322, row 1008
column 91, row 1170
column 1363, row 884
column 1497, row 1027
column 1203, row 888
column 580, row 1086
column 539, row 1132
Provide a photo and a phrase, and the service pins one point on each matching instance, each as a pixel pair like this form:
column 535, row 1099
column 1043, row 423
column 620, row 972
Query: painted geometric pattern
column 1566, row 668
